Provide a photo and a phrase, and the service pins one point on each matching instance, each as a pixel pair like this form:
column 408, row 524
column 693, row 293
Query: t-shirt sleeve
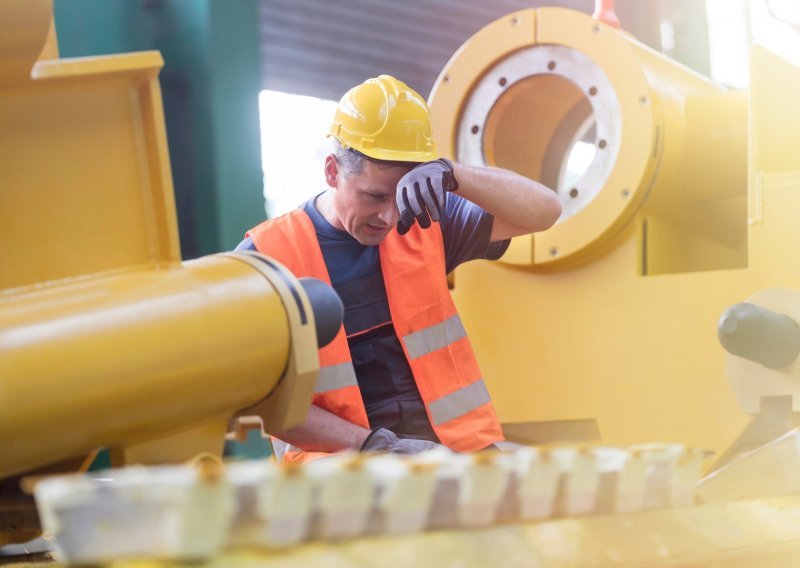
column 466, row 230
column 246, row 244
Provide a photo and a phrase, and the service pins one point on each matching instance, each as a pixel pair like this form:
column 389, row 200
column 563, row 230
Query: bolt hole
column 643, row 99
column 626, row 193
column 503, row 81
column 551, row 65
column 553, row 251
column 475, row 128
column 514, row 21
column 592, row 91
column 446, row 78
column 596, row 28
column 602, row 144
column 573, row 193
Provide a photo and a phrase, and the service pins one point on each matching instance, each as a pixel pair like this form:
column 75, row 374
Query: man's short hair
column 351, row 162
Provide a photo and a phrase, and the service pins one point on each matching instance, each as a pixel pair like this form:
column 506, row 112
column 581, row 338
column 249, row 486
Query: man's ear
column 331, row 170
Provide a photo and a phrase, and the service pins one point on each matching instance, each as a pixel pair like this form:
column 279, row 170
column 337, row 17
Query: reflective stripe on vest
column 435, row 337
column 459, row 402
column 336, row 377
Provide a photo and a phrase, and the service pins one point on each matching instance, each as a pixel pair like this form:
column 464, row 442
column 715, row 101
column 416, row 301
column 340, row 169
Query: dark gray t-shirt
column 384, row 377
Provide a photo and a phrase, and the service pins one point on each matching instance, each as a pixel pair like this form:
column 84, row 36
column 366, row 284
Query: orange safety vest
column 425, row 320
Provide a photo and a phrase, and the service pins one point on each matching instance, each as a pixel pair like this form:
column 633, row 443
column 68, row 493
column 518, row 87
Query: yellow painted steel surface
column 611, row 315
column 106, row 338
column 519, row 90
column 125, row 358
column 88, row 136
column 87, row 187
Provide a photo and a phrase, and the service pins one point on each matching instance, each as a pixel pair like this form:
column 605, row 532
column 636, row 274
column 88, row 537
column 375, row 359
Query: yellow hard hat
column 385, row 119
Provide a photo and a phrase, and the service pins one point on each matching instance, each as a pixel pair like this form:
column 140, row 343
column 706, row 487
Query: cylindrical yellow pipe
column 614, row 127
column 117, row 360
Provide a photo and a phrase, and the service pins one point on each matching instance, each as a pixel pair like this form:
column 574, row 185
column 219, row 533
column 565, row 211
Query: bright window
column 734, row 24
column 293, row 148
column 776, row 26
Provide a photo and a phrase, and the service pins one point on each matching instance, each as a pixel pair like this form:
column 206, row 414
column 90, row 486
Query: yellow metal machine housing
column 609, row 318
column 106, row 338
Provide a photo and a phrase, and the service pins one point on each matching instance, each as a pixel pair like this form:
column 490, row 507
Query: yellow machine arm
column 106, row 338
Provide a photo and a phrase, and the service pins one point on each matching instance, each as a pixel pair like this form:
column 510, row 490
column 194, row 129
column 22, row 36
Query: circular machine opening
column 547, row 112
column 543, row 127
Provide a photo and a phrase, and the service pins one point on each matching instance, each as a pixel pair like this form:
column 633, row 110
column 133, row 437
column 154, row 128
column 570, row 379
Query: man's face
column 364, row 203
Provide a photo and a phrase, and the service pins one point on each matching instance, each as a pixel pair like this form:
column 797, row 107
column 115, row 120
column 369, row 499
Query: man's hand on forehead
column 420, row 194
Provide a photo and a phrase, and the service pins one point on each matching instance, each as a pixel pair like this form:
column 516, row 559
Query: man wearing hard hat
column 400, row 376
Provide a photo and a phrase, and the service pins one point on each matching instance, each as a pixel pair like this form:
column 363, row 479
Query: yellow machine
column 602, row 328
column 605, row 326
column 106, row 338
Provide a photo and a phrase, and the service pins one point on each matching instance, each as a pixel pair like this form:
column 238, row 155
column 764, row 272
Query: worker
column 396, row 218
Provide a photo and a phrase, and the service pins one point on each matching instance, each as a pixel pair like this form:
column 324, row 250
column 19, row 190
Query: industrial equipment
column 679, row 201
column 108, row 340
column 679, row 214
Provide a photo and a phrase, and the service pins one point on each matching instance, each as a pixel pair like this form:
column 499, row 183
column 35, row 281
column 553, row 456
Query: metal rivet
column 643, row 99
column 446, row 78
column 502, row 81
column 553, row 251
column 514, row 21
column 475, row 129
column 573, row 193
column 592, row 91
column 626, row 193
column 602, row 144
column 551, row 65
column 596, row 28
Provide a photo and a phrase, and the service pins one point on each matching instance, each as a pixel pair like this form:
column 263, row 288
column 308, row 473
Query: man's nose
column 389, row 214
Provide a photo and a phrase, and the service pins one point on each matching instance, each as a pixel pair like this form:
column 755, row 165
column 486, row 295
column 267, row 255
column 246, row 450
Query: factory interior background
column 249, row 86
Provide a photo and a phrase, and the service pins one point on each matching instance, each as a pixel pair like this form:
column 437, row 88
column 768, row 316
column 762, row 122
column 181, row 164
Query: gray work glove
column 420, row 193
column 383, row 440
